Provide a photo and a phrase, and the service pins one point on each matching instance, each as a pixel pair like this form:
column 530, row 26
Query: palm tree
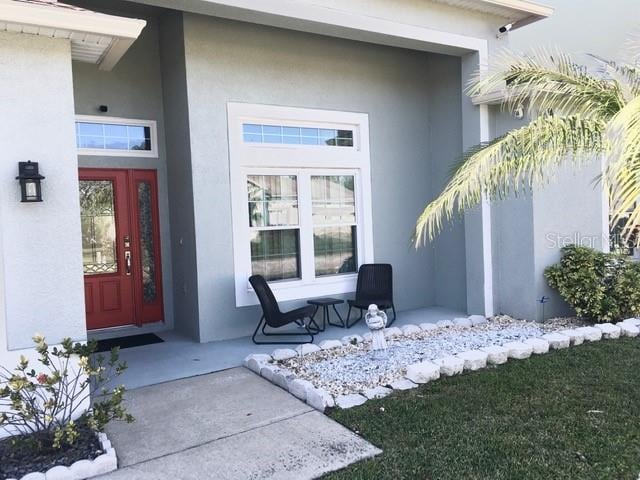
column 578, row 114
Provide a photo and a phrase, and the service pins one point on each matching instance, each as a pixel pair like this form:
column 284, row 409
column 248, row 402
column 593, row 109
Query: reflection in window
column 334, row 220
column 275, row 254
column 273, row 202
column 109, row 136
column 145, row 209
column 290, row 135
column 98, row 227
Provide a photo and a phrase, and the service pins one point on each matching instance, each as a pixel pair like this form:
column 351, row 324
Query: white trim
column 105, row 152
column 262, row 158
column 107, row 37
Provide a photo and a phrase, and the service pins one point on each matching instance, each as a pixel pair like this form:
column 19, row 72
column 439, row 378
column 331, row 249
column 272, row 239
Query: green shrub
column 599, row 286
column 41, row 405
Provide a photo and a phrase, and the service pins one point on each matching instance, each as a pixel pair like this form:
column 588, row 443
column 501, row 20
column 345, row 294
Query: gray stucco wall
column 174, row 81
column 445, row 150
column 230, row 61
column 513, row 242
column 133, row 89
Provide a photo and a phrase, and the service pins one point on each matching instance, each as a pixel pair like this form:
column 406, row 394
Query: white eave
column 517, row 12
column 95, row 37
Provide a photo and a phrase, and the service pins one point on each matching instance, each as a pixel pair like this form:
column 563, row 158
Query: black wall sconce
column 30, row 179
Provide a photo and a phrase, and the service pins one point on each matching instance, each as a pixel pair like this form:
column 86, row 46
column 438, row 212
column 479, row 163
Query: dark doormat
column 128, row 342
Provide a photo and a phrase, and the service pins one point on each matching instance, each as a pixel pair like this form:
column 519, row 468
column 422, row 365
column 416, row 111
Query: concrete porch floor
column 179, row 357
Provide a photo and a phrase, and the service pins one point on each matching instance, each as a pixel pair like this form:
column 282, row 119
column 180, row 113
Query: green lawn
column 569, row 414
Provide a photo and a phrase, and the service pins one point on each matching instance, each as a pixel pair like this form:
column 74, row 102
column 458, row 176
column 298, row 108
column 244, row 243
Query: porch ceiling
column 95, row 37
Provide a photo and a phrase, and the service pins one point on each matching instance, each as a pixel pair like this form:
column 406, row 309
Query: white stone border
column 105, row 463
column 426, row 371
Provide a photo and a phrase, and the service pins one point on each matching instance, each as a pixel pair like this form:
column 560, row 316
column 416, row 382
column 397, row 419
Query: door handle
column 127, row 262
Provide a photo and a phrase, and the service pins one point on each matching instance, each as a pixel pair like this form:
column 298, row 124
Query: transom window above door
column 108, row 136
column 301, row 217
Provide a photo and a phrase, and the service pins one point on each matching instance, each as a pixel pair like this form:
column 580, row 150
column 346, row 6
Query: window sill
column 298, row 290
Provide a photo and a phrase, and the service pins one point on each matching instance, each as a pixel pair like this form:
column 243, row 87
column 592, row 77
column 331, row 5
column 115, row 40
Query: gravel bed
column 353, row 368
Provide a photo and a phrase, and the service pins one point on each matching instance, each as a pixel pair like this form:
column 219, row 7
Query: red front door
column 120, row 247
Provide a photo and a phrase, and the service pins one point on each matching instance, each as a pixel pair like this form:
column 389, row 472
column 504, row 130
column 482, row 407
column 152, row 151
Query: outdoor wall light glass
column 30, row 179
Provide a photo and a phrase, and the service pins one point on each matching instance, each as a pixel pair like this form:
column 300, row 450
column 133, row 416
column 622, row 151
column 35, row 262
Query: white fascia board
column 493, row 98
column 533, row 11
column 57, row 18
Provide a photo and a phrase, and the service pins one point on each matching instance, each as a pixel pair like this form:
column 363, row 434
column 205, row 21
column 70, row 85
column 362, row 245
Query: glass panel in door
column 147, row 249
column 98, row 222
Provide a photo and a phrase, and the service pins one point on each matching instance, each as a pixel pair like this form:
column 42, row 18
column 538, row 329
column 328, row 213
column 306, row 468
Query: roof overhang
column 95, row 37
column 517, row 12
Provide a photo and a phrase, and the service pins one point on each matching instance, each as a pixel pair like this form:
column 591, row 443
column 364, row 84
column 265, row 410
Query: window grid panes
column 273, row 219
column 292, row 135
column 112, row 136
column 334, row 224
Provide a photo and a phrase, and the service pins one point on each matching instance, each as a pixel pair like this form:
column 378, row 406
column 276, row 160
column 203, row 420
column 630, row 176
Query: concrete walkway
column 228, row 425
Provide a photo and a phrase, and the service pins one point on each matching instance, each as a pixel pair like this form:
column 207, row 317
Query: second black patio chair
column 272, row 316
column 375, row 285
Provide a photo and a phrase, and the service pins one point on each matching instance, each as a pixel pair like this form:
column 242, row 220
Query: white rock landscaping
column 410, row 330
column 628, row 329
column 576, row 336
column 377, row 392
column 428, row 326
column 350, row 401
column 283, row 354
column 496, row 355
column 345, row 373
column 557, row 341
column 539, row 345
column 307, row 348
column 462, row 322
column 609, row 330
column 450, row 365
column 518, row 350
column 423, row 372
column 329, row 344
column 474, row 359
column 591, row 334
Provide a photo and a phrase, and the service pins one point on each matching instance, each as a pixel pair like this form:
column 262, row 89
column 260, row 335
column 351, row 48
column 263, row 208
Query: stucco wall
column 530, row 230
column 41, row 243
column 176, row 108
column 445, row 150
column 230, row 61
column 133, row 89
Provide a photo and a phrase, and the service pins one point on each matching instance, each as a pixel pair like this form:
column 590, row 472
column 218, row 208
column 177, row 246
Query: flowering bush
column 46, row 404
column 600, row 286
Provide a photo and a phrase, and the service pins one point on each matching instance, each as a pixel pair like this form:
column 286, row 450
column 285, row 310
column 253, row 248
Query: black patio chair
column 375, row 285
column 274, row 318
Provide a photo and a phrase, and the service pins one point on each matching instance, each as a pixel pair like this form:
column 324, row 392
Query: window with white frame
column 110, row 136
column 301, row 204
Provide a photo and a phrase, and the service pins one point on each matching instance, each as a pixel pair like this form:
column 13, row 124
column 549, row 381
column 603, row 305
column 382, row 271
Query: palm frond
column 515, row 162
column 622, row 173
column 547, row 80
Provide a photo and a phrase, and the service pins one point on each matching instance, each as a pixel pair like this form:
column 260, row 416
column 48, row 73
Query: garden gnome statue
column 376, row 321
